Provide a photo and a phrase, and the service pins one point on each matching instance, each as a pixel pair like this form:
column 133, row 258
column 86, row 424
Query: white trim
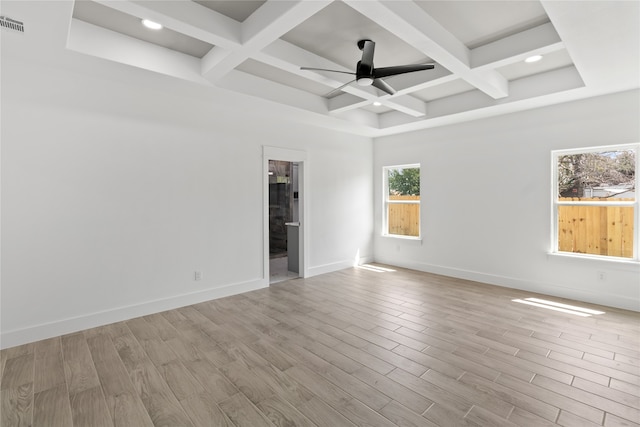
column 404, row 202
column 401, row 237
column 609, row 202
column 624, row 264
column 599, row 149
column 91, row 320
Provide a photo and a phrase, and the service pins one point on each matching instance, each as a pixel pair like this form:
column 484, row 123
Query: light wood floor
column 355, row 347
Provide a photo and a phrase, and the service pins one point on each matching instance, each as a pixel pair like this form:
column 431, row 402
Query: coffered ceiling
column 256, row 48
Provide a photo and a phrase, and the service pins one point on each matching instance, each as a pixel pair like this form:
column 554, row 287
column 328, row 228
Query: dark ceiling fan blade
column 400, row 69
column 367, row 75
column 367, row 47
column 383, row 86
column 324, row 69
column 338, row 88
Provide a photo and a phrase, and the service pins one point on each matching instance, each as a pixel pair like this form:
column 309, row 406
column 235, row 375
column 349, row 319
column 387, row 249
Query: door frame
column 299, row 157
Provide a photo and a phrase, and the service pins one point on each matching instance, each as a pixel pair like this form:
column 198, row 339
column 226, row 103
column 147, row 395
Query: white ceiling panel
column 238, row 10
column 333, row 33
column 551, row 61
column 476, row 23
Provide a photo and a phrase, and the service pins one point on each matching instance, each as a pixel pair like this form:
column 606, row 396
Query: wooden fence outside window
column 596, row 230
column 404, row 218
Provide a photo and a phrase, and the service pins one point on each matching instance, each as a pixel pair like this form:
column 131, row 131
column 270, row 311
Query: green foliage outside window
column 404, row 182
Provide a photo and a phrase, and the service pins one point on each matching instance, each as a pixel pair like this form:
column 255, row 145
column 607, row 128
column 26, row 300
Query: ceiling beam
column 266, row 25
column 97, row 41
column 413, row 82
column 346, row 102
column 409, row 22
column 406, row 104
column 403, row 103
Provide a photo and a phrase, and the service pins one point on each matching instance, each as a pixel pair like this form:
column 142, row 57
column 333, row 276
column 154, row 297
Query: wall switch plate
column 197, row 275
column 602, row 276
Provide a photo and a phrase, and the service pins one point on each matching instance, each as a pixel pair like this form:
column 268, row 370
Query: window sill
column 401, row 237
column 621, row 263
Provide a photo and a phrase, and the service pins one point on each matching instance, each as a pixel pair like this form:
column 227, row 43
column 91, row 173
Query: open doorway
column 284, row 213
column 284, row 220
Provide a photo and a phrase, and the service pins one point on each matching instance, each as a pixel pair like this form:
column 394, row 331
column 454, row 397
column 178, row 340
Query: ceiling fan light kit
column 367, row 75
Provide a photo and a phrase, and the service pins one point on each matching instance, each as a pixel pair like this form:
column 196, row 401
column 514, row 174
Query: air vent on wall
column 11, row 24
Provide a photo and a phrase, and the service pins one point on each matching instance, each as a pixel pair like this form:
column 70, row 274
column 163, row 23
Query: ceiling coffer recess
column 367, row 75
column 11, row 24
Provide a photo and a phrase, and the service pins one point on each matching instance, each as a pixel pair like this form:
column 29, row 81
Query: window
column 401, row 201
column 595, row 202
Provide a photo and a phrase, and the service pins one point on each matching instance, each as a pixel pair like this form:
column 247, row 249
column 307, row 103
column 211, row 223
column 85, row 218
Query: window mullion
column 595, row 203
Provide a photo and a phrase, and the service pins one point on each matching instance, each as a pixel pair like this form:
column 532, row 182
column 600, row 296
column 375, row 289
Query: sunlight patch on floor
column 375, row 268
column 557, row 306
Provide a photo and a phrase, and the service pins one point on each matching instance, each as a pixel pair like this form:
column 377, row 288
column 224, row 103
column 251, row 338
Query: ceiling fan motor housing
column 364, row 71
column 364, row 74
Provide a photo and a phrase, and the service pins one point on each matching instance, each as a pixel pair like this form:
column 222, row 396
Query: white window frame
column 386, row 202
column 555, row 203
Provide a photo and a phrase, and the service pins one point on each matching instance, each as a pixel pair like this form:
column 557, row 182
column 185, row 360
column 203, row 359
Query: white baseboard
column 336, row 266
column 92, row 320
column 610, row 300
column 66, row 326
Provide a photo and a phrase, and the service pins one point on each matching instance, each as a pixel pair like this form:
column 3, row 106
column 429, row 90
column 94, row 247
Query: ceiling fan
column 367, row 75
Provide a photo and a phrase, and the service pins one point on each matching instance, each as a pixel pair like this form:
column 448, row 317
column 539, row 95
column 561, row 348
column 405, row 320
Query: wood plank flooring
column 358, row 347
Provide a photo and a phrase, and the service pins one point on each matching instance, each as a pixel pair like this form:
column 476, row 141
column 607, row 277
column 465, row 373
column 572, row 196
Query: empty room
column 319, row 213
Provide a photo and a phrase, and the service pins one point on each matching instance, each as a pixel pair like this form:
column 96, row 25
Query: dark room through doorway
column 284, row 220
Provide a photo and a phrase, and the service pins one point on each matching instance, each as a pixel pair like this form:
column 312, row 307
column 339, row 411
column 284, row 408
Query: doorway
column 284, row 220
column 284, row 213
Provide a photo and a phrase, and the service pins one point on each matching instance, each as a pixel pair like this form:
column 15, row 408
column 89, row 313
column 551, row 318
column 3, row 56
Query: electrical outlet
column 197, row 275
column 602, row 276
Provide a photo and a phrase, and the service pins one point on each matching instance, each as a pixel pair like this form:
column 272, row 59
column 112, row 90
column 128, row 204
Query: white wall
column 117, row 184
column 486, row 199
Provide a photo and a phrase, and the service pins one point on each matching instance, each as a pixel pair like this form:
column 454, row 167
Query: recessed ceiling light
column 151, row 25
column 377, row 104
column 534, row 58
